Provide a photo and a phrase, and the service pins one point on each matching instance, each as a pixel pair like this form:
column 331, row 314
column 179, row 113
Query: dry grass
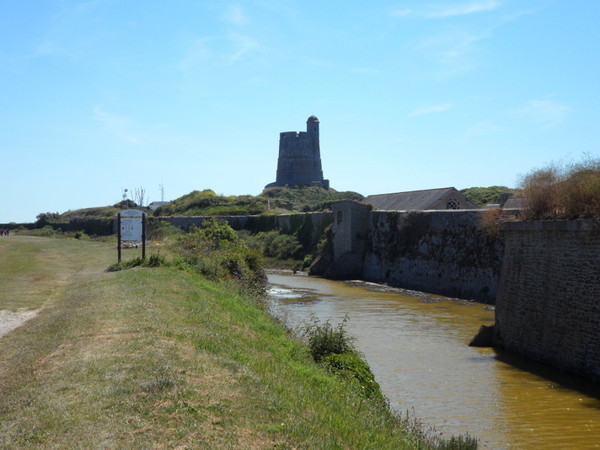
column 563, row 191
column 491, row 220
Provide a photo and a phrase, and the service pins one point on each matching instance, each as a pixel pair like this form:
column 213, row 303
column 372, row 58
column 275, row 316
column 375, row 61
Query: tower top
column 313, row 119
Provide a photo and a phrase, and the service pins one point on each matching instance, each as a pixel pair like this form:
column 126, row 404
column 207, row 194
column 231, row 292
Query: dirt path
column 10, row 320
column 34, row 270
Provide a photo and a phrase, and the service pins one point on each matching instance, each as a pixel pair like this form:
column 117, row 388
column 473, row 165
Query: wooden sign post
column 131, row 227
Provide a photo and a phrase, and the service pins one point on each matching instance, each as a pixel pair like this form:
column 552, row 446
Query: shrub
column 484, row 195
column 128, row 264
column 324, row 339
column 273, row 244
column 491, row 220
column 160, row 229
column 156, row 261
column 356, row 371
column 152, row 261
column 216, row 251
column 540, row 188
column 580, row 192
column 563, row 192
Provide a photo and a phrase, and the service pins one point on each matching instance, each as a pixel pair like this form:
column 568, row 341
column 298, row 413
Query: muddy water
column 417, row 348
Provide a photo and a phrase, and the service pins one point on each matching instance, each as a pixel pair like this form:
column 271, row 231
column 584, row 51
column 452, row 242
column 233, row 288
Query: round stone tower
column 299, row 160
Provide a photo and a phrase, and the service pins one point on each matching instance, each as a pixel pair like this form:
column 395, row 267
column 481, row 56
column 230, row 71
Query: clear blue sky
column 102, row 95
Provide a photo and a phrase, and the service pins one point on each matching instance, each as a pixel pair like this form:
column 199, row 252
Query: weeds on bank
column 325, row 339
column 333, row 348
column 152, row 261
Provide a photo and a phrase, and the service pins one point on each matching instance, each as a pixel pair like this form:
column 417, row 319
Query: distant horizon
column 102, row 95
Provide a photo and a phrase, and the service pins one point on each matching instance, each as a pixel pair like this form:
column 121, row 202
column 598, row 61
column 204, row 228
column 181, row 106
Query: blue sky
column 103, row 95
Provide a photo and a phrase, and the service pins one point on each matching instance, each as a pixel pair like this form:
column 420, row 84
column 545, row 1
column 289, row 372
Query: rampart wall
column 442, row 252
column 548, row 303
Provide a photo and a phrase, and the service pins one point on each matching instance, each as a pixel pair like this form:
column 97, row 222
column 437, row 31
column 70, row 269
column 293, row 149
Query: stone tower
column 299, row 160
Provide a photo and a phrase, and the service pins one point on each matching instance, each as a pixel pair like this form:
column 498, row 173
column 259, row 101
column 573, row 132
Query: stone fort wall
column 548, row 303
column 441, row 252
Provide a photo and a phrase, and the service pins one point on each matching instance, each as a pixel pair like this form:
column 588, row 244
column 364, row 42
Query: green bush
column 356, row 371
column 216, row 251
column 273, row 244
column 159, row 229
column 325, row 339
column 484, row 195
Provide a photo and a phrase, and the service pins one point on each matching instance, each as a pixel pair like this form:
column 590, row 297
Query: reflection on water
column 417, row 348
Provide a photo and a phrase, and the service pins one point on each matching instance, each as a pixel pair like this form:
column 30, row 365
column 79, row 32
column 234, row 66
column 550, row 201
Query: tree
column 484, row 195
column 139, row 196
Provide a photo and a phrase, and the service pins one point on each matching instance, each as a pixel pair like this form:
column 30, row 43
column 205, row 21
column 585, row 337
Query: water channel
column 417, row 347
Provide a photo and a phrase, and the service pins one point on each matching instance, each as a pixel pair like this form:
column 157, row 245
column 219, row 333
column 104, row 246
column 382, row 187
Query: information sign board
column 131, row 225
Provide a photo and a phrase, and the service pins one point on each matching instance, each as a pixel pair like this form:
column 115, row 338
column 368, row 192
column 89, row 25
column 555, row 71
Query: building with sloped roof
column 428, row 199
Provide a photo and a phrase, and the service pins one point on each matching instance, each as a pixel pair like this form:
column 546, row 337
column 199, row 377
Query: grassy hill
column 270, row 201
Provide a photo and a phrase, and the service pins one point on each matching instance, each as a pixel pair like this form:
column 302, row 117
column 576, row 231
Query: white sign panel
column 131, row 225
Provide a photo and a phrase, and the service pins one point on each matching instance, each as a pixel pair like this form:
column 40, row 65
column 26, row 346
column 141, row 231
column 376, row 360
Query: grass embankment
column 158, row 357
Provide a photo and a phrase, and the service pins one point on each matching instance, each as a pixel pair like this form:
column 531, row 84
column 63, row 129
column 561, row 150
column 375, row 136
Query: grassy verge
column 158, row 357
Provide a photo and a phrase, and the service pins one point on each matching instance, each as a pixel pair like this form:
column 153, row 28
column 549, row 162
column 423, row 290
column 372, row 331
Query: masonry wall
column 441, row 252
column 548, row 304
column 350, row 237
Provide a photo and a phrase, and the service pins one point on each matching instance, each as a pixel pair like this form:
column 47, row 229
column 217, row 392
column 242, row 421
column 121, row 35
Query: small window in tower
column 339, row 217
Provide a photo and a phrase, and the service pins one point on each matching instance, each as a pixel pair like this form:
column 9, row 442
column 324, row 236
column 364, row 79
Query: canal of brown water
column 417, row 348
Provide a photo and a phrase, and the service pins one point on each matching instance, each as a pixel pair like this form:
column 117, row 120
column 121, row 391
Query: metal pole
column 119, row 236
column 143, row 236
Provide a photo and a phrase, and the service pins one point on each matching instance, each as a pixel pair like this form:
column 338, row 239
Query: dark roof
column 515, row 203
column 413, row 200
